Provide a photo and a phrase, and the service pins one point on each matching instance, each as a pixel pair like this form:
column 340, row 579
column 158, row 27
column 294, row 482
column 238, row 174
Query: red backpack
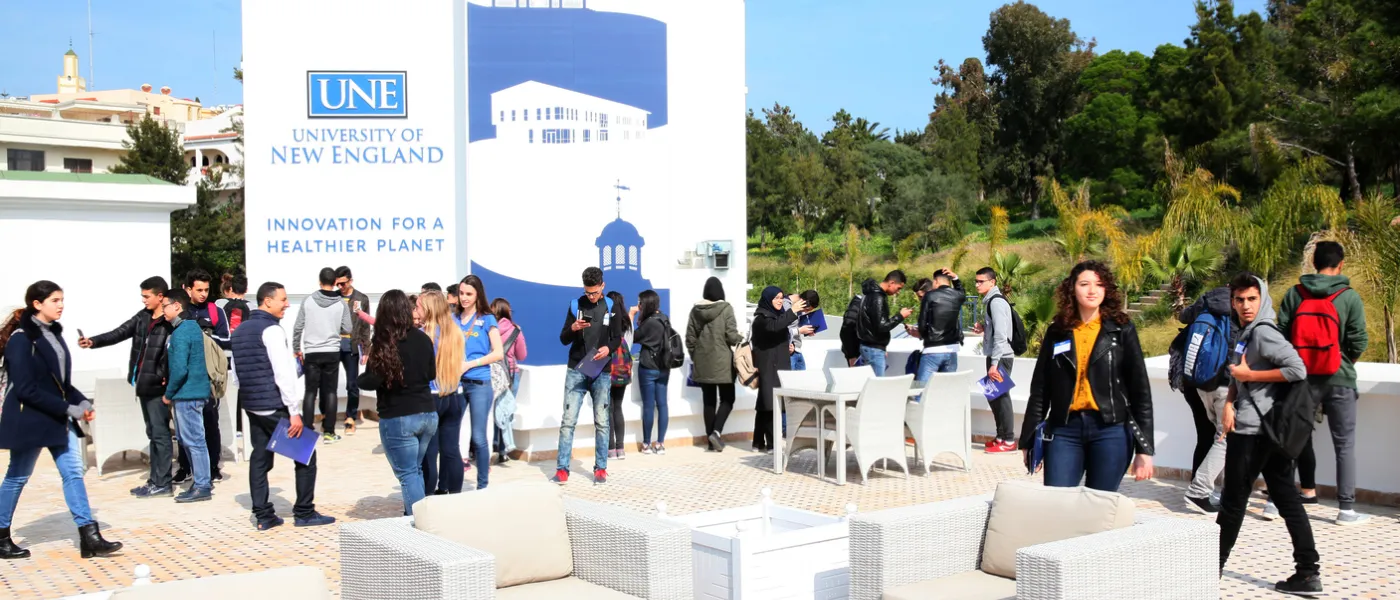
column 1317, row 333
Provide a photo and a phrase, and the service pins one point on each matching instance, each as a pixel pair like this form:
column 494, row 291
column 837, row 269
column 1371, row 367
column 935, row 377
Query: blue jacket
column 35, row 412
column 189, row 378
column 217, row 319
column 257, row 389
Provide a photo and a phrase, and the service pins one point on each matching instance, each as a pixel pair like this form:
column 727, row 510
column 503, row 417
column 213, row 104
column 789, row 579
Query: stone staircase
column 1153, row 298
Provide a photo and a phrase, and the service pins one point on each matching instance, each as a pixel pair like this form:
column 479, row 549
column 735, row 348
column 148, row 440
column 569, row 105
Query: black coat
column 146, row 368
column 770, row 352
column 1117, row 377
column 35, row 411
column 875, row 323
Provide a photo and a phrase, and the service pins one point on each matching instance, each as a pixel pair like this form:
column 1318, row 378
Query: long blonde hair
column 440, row 325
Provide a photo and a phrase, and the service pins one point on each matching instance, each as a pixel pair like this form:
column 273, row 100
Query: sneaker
column 660, row 450
column 600, row 476
column 1309, row 499
column 218, row 477
column 989, row 443
column 716, row 442
column 1203, row 504
column 349, row 427
column 560, row 477
column 181, row 477
column 621, row 454
column 329, row 438
column 1351, row 517
column 1002, row 447
column 612, row 454
column 316, row 519
column 1270, row 512
column 503, row 458
column 152, row 491
column 194, row 495
column 646, row 449
column 266, row 524
column 1300, row 585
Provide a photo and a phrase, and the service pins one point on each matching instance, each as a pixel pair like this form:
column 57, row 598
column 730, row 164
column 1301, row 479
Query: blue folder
column 993, row 390
column 1037, row 449
column 816, row 319
column 591, row 368
column 296, row 448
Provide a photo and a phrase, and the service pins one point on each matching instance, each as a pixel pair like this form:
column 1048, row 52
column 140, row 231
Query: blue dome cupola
column 620, row 244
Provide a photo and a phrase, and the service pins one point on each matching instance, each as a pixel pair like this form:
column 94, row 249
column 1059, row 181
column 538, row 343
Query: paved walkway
column 355, row 483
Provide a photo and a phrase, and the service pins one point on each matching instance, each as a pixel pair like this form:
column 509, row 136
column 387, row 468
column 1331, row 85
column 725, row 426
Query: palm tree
column 1183, row 262
column 996, row 232
column 1085, row 230
column 869, row 131
column 1037, row 313
column 1378, row 237
column 1296, row 204
column 1198, row 206
column 1012, row 269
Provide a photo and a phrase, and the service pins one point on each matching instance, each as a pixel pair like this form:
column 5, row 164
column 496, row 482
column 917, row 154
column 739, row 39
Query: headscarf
column 714, row 290
column 765, row 302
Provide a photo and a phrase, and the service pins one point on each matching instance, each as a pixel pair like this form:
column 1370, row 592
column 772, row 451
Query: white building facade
column 536, row 113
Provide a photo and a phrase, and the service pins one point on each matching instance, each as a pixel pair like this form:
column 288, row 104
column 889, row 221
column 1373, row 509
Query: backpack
column 573, row 306
column 850, row 340
column 237, row 310
column 1317, row 332
column 501, row 377
column 621, row 369
column 671, row 355
column 1290, row 421
column 744, row 364
column 1206, row 351
column 1018, row 329
column 216, row 364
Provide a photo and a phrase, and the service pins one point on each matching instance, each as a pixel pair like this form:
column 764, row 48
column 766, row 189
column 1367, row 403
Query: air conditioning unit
column 717, row 250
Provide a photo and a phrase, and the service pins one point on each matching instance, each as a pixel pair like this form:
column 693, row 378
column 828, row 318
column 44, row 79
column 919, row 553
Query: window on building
column 532, row 136
column 558, row 112
column 78, row 165
column 157, row 110
column 537, row 114
column 24, row 160
column 620, row 255
column 503, row 116
column 585, row 136
column 603, row 120
column 512, row 114
column 607, row 259
column 526, row 116
column 632, row 257
column 602, row 135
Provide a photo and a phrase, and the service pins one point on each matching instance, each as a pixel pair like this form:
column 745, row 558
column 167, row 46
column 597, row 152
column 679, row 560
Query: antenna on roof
column 92, row 80
column 215, row 35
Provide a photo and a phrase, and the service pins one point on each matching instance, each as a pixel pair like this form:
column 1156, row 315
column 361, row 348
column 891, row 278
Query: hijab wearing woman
column 449, row 348
column 41, row 411
column 483, row 347
column 770, row 354
column 710, row 337
column 401, row 369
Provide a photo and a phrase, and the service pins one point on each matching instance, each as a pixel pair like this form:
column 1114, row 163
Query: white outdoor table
column 838, row 402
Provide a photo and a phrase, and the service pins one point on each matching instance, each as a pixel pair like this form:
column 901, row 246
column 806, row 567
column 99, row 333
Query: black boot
column 8, row 549
column 92, row 544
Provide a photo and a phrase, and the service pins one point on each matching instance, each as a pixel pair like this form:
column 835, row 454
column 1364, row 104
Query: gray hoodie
column 1265, row 349
column 996, row 330
column 323, row 318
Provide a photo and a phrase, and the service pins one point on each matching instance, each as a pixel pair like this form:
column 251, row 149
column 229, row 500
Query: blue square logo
column 356, row 94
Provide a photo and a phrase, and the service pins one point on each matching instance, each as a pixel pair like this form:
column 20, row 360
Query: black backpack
column 1290, row 421
column 671, row 355
column 1018, row 329
column 850, row 341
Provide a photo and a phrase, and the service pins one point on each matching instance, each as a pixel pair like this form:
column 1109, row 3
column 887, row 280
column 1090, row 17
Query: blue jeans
column 936, row 363
column 505, row 418
column 70, row 468
column 875, row 357
column 405, row 441
column 653, row 383
column 445, row 447
column 1086, row 448
column 576, row 385
column 798, row 362
column 189, row 417
column 479, row 405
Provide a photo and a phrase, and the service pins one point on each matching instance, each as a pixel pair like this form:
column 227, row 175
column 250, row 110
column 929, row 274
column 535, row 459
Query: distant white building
column 536, row 113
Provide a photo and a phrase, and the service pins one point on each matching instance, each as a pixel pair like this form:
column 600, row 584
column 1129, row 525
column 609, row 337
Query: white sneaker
column 646, row 449
column 660, row 450
column 1270, row 512
column 1351, row 517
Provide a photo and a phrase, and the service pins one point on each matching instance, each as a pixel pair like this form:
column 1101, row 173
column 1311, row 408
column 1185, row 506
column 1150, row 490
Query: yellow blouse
column 1084, row 337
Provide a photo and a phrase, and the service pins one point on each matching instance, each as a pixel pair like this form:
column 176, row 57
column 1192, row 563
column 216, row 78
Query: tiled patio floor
column 355, row 483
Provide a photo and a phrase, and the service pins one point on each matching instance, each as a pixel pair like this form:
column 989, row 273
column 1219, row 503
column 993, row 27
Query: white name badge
column 1062, row 347
column 1239, row 348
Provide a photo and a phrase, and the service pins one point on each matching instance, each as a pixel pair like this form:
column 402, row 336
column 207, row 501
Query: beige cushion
column 972, row 585
column 572, row 588
column 1026, row 513
column 302, row 583
column 523, row 525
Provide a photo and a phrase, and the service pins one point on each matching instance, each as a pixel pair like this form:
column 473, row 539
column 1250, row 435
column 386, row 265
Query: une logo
column 356, row 94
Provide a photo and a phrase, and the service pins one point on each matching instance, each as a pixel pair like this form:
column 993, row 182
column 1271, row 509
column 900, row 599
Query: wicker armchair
column 893, row 551
column 632, row 554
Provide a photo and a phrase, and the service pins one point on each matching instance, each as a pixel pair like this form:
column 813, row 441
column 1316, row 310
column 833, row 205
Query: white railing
column 62, row 132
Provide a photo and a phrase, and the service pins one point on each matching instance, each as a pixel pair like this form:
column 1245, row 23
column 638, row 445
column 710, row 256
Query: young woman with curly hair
column 1090, row 388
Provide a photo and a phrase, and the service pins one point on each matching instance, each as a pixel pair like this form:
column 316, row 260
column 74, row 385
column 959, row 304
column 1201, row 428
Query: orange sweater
column 1084, row 337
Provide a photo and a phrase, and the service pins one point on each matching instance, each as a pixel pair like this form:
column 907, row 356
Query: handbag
column 501, row 377
column 744, row 364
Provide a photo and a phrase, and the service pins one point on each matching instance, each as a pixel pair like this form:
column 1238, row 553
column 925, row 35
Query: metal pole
column 92, row 80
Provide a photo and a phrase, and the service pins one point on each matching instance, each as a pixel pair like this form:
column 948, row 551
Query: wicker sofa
column 965, row 549
column 515, row 542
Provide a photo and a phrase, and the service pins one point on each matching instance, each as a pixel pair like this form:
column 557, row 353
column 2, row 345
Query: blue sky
column 872, row 58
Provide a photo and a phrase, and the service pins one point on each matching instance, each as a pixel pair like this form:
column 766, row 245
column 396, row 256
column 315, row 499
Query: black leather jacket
column 875, row 323
column 938, row 319
column 1117, row 377
column 146, row 367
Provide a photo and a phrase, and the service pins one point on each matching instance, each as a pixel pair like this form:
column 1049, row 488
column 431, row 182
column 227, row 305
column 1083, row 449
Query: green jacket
column 710, row 337
column 1350, row 311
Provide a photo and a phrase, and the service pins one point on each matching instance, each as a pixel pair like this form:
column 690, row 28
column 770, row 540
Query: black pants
column 350, row 361
column 1246, row 457
column 719, row 401
column 1002, row 411
column 763, row 429
column 262, row 461
column 1205, row 427
column 213, row 440
column 157, row 416
column 617, row 427
column 322, row 378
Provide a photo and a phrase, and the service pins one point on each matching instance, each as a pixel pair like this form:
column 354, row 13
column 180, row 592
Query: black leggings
column 617, row 426
column 719, row 401
column 763, row 429
column 1307, row 467
column 1205, row 427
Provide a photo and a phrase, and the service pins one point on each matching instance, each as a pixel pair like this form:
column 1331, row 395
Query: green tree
column 1378, row 231
column 960, row 135
column 769, row 208
column 1184, row 262
column 208, row 235
column 930, row 207
column 153, row 148
column 1038, row 60
column 1012, row 271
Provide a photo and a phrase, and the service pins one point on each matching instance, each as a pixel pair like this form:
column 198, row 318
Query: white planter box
column 797, row 555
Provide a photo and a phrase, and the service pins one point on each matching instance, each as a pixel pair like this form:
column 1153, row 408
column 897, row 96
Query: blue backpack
column 573, row 306
column 1207, row 351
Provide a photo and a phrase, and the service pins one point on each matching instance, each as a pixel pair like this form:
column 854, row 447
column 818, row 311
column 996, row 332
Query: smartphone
column 80, row 334
column 586, row 319
column 357, row 306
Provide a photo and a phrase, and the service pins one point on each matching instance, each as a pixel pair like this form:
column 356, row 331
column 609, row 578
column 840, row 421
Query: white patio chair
column 846, row 380
column 798, row 411
column 875, row 425
column 942, row 420
column 121, row 426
